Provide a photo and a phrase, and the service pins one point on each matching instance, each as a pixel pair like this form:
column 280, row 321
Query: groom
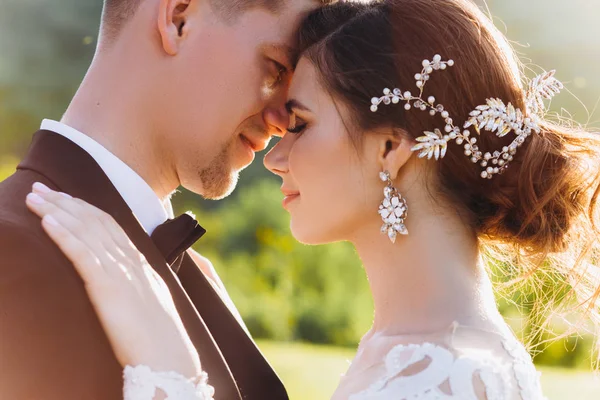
column 180, row 92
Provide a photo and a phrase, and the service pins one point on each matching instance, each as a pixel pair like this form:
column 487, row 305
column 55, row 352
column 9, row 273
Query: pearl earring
column 393, row 209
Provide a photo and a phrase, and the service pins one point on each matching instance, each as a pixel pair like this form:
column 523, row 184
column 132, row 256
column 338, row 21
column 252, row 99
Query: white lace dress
column 459, row 363
column 141, row 383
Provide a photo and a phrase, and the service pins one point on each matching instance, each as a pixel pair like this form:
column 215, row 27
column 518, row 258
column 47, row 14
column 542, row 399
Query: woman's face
column 331, row 188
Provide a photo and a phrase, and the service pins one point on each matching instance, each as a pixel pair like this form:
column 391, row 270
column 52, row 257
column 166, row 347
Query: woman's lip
column 288, row 199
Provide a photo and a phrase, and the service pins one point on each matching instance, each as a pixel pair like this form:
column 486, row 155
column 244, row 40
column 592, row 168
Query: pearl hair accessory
column 494, row 116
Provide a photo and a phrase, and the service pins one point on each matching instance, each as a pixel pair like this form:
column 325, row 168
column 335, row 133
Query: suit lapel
column 255, row 377
column 75, row 172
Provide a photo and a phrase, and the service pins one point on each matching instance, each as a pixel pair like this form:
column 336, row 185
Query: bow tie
column 175, row 236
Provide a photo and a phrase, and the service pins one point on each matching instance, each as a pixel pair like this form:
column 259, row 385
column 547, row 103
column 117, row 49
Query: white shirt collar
column 139, row 196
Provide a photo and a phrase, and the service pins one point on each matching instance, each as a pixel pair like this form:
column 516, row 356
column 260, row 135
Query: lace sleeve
column 141, row 383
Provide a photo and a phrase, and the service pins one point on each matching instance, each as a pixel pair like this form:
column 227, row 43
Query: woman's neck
column 426, row 280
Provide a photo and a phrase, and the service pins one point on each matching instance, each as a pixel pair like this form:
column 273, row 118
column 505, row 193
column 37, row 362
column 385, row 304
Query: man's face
column 225, row 92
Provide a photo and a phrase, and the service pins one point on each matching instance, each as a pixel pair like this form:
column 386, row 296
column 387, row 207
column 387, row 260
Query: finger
column 39, row 206
column 124, row 249
column 97, row 282
column 88, row 232
column 77, row 251
column 54, row 196
column 76, row 207
column 80, row 218
column 80, row 227
column 88, row 213
column 97, row 229
column 85, row 262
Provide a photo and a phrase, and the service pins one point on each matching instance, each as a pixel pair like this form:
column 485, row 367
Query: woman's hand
column 133, row 303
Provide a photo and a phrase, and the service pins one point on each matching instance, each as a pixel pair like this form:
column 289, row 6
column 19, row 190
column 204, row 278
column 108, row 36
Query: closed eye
column 297, row 129
column 297, row 125
column 278, row 72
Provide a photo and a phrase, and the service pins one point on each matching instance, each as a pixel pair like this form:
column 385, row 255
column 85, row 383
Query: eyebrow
column 295, row 104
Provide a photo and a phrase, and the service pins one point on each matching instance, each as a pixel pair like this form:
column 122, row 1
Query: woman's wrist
column 184, row 365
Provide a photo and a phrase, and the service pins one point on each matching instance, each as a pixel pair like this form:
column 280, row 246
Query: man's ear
column 394, row 152
column 172, row 22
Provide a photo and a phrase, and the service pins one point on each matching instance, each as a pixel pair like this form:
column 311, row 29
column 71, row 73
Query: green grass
column 312, row 372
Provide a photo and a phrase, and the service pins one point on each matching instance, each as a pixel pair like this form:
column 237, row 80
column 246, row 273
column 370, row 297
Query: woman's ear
column 172, row 23
column 394, row 152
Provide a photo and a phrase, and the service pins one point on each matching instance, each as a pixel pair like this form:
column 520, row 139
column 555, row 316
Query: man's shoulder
column 23, row 238
column 24, row 246
column 14, row 214
column 16, row 231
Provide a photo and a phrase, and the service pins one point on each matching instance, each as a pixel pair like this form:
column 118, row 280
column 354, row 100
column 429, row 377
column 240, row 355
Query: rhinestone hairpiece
column 494, row 116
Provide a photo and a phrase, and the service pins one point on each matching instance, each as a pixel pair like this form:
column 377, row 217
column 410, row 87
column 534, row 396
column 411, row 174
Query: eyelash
column 298, row 128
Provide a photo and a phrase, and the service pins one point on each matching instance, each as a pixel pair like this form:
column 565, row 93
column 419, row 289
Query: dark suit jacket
column 52, row 345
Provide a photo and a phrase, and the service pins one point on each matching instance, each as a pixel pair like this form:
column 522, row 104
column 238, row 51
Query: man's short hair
column 117, row 13
column 231, row 8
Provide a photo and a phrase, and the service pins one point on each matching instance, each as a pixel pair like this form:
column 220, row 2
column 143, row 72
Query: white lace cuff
column 141, row 383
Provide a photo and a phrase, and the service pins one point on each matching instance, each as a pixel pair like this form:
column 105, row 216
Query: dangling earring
column 393, row 209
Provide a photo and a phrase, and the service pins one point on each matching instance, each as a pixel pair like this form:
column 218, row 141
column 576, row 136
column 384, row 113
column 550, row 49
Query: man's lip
column 256, row 144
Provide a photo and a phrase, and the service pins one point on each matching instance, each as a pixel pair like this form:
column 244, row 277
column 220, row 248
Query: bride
column 407, row 118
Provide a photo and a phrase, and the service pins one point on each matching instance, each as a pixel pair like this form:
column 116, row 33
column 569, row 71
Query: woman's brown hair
column 537, row 218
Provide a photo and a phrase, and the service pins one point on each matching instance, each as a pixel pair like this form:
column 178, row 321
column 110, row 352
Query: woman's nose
column 276, row 160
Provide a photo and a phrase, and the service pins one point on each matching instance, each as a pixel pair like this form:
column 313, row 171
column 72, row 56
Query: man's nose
column 277, row 120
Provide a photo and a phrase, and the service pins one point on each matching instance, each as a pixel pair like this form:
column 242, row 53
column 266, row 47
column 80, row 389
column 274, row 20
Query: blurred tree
column 557, row 35
column 46, row 50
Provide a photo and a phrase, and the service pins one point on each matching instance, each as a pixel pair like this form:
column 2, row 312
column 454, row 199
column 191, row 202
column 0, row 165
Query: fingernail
column 35, row 199
column 63, row 194
column 41, row 188
column 50, row 220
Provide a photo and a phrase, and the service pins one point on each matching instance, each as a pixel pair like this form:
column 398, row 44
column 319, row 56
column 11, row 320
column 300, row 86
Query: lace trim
column 141, row 383
column 528, row 378
column 444, row 367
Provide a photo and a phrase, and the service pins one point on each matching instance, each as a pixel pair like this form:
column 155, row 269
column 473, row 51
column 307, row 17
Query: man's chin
column 220, row 179
column 220, row 189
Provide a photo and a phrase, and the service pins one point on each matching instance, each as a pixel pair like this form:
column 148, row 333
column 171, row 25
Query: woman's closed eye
column 297, row 125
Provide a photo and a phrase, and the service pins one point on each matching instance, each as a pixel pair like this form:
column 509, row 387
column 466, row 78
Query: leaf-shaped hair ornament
column 542, row 87
column 494, row 117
